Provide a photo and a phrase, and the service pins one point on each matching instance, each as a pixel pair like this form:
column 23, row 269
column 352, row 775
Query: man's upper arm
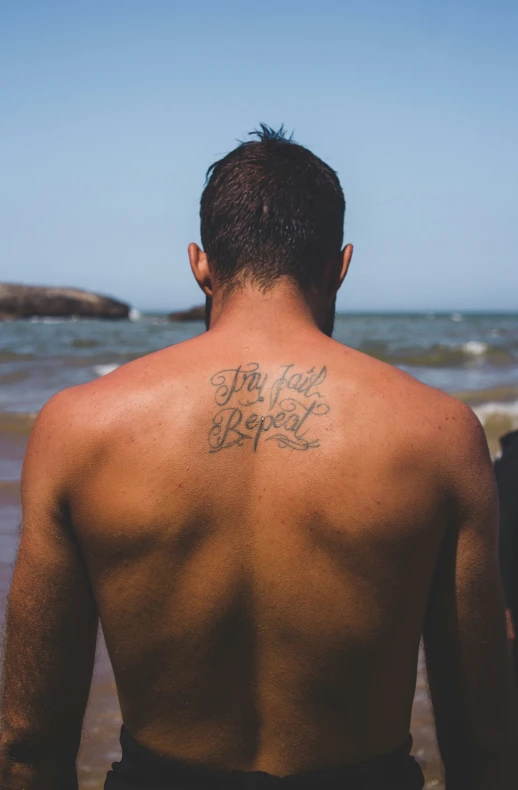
column 51, row 619
column 471, row 682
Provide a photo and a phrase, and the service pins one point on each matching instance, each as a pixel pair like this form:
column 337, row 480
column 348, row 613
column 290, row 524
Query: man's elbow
column 30, row 761
column 19, row 745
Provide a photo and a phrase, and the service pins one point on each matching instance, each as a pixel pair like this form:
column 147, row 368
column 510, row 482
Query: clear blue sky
column 112, row 110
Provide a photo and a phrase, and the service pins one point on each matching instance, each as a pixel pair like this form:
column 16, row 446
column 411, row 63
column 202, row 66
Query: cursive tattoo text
column 253, row 407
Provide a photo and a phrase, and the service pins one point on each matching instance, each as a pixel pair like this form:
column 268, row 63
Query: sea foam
column 476, row 347
column 103, row 370
column 498, row 411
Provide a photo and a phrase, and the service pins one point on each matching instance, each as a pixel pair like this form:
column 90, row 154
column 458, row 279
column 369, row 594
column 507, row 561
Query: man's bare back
column 265, row 522
column 262, row 586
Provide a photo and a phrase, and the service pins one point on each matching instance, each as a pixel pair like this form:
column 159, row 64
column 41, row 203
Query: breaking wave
column 498, row 417
column 475, row 347
column 440, row 355
column 103, row 370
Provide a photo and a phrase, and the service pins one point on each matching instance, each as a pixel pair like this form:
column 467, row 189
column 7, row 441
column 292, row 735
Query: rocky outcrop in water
column 193, row 314
column 26, row 301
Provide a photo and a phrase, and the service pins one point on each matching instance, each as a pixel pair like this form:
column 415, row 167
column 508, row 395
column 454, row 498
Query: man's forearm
column 48, row 773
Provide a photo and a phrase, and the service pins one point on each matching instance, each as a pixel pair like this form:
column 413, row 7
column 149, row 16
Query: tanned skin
column 265, row 521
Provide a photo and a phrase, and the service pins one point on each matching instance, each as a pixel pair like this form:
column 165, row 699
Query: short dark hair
column 271, row 208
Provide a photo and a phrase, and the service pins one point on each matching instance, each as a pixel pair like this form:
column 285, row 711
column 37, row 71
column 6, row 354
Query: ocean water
column 459, row 353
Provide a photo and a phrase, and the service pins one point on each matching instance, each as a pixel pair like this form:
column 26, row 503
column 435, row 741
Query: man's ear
column 347, row 254
column 200, row 268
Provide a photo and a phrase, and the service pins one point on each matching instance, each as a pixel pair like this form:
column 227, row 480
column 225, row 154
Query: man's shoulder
column 382, row 379
column 91, row 410
column 416, row 410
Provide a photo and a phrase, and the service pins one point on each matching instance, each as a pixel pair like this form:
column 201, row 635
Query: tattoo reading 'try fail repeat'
column 255, row 407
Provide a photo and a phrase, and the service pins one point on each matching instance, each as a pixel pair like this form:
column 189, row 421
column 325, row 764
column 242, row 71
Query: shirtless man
column 265, row 522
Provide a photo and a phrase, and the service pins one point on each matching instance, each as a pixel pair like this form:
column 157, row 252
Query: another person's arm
column 471, row 682
column 51, row 623
column 506, row 472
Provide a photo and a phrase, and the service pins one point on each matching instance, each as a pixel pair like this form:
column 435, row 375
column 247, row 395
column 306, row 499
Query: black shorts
column 141, row 769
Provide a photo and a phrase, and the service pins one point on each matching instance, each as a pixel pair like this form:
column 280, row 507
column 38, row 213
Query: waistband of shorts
column 141, row 768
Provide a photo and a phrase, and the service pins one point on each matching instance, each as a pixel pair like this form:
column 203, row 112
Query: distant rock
column 25, row 301
column 193, row 314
